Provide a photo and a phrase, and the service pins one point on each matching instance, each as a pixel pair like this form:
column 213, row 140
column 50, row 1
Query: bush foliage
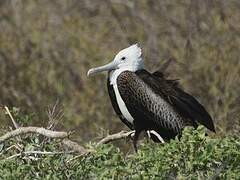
column 46, row 48
column 194, row 156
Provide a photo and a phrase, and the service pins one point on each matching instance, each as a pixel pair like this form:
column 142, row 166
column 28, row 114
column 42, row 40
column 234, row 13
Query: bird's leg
column 148, row 135
column 135, row 138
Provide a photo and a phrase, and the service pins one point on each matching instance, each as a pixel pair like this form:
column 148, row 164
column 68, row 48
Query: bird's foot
column 135, row 146
column 135, row 139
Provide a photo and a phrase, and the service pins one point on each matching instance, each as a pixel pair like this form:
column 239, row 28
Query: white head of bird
column 129, row 59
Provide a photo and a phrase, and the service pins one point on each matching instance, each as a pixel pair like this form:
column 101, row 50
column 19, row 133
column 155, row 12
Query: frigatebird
column 147, row 101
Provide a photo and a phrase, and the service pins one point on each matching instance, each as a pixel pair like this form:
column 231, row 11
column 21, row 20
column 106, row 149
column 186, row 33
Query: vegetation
column 46, row 48
column 196, row 156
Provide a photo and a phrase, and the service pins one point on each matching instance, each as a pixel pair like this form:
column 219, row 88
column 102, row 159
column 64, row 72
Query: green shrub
column 195, row 156
column 47, row 47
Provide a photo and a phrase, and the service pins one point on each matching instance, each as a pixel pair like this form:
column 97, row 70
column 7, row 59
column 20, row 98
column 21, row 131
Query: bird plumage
column 149, row 101
column 158, row 104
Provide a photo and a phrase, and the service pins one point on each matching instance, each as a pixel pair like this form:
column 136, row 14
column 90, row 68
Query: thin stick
column 46, row 152
column 11, row 147
column 11, row 117
column 13, row 156
column 74, row 158
column 38, row 152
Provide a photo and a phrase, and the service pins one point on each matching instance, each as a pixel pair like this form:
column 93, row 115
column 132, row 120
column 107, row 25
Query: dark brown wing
column 149, row 110
column 183, row 102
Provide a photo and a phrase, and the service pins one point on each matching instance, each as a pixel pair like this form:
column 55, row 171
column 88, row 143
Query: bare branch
column 114, row 137
column 73, row 146
column 38, row 130
column 48, row 133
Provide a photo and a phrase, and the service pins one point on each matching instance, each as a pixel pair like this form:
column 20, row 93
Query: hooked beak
column 108, row 67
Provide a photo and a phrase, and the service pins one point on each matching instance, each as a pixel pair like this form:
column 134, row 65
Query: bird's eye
column 123, row 58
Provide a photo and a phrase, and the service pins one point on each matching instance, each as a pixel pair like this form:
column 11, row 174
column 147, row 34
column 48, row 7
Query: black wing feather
column 183, row 102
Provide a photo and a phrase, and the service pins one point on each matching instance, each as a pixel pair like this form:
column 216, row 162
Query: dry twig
column 55, row 114
column 11, row 117
column 38, row 152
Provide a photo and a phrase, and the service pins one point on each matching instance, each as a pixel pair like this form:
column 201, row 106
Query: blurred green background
column 47, row 47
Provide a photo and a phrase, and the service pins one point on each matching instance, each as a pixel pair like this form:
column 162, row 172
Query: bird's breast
column 121, row 104
column 113, row 75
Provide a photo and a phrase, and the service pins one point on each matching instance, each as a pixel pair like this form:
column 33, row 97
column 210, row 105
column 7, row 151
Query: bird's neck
column 113, row 75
